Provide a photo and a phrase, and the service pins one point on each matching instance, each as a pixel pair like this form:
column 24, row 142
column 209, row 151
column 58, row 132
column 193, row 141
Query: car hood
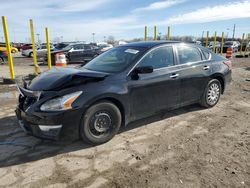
column 58, row 78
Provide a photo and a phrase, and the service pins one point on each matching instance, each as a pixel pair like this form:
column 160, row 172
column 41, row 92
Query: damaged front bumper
column 33, row 126
column 48, row 125
column 53, row 126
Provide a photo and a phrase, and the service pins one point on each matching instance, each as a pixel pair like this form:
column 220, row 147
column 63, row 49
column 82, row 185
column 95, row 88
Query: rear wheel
column 100, row 123
column 31, row 54
column 211, row 94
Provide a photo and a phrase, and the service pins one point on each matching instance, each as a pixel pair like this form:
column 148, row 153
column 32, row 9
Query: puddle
column 9, row 95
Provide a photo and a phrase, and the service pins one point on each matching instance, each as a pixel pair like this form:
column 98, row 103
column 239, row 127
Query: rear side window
column 187, row 54
column 206, row 55
column 78, row 47
column 159, row 58
column 87, row 47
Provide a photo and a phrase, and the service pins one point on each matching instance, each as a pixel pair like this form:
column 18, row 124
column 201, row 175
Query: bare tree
column 111, row 39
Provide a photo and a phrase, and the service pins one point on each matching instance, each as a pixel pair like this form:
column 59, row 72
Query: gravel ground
column 189, row 147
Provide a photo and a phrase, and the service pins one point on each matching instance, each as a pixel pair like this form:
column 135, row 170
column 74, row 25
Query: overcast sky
column 124, row 19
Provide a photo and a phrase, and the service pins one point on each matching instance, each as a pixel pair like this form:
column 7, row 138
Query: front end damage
column 35, row 91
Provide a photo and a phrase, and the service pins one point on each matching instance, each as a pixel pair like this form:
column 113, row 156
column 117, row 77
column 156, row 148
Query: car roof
column 149, row 44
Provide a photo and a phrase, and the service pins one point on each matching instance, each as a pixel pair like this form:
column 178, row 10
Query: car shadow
column 161, row 116
column 18, row 148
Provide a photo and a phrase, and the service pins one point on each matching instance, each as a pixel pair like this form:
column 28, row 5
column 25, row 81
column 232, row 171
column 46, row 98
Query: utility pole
column 234, row 31
column 93, row 37
column 38, row 41
column 227, row 33
column 202, row 37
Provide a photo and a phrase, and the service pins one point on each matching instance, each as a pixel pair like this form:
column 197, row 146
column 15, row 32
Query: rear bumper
column 227, row 79
column 53, row 126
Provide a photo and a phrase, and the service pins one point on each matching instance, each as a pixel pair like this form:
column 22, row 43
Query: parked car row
column 4, row 48
column 41, row 51
column 235, row 45
column 75, row 52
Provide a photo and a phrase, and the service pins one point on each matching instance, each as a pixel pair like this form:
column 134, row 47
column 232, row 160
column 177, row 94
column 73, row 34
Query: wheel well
column 221, row 80
column 115, row 102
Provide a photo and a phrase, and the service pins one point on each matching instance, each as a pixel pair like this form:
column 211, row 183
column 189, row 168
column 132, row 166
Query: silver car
column 41, row 51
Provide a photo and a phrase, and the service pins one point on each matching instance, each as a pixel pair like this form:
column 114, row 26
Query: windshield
column 228, row 43
column 116, row 59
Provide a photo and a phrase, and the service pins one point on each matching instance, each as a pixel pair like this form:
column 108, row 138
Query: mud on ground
column 189, row 147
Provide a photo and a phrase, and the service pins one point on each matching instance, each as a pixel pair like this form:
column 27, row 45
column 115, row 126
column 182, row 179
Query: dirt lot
column 189, row 147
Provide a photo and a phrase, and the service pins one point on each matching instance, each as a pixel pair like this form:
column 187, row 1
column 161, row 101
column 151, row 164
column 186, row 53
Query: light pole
column 227, row 32
column 202, row 37
column 38, row 41
column 233, row 31
column 104, row 38
column 159, row 35
column 93, row 37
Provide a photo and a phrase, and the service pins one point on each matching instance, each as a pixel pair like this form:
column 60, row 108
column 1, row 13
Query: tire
column 212, row 93
column 100, row 123
column 13, row 51
column 31, row 54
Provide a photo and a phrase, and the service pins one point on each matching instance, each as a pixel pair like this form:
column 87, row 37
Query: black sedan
column 77, row 52
column 124, row 84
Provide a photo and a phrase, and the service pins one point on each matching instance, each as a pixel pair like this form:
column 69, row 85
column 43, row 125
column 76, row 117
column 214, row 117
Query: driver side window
column 159, row 58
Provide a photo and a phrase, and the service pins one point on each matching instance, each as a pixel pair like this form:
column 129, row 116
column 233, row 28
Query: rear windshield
column 116, row 59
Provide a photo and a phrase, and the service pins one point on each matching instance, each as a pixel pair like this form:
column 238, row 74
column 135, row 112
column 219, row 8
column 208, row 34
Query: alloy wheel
column 213, row 94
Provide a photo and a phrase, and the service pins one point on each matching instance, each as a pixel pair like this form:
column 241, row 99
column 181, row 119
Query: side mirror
column 144, row 70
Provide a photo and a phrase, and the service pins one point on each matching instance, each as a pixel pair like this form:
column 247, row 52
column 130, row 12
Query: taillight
column 228, row 63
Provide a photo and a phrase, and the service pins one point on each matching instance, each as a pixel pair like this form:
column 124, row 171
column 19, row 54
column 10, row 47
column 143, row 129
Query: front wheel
column 211, row 94
column 100, row 123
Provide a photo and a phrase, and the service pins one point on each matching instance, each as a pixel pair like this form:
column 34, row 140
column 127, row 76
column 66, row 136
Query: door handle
column 174, row 75
column 206, row 67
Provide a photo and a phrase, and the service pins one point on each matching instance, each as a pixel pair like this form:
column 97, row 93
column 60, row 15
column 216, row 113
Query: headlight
column 61, row 103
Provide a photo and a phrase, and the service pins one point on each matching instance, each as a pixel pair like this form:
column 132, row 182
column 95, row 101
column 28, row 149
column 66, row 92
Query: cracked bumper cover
column 50, row 125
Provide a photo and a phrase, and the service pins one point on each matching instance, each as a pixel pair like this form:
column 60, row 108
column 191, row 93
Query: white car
column 41, row 51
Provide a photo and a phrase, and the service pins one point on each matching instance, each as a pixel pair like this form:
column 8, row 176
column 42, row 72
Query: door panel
column 194, row 73
column 193, row 80
column 88, row 53
column 158, row 90
column 154, row 92
column 75, row 54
